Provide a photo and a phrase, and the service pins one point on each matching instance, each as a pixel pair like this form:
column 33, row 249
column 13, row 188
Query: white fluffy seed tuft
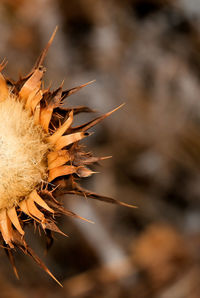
column 23, row 152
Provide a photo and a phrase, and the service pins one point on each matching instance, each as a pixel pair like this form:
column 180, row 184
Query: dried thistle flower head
column 40, row 157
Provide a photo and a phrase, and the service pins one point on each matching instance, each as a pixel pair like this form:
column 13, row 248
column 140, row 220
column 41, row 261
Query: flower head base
column 40, row 157
column 23, row 153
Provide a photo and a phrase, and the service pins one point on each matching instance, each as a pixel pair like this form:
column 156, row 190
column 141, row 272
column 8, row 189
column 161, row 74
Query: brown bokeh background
column 146, row 54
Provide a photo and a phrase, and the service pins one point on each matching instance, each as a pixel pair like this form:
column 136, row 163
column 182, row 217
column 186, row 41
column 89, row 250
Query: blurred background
column 145, row 53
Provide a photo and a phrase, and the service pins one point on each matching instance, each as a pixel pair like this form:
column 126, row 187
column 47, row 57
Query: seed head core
column 23, row 152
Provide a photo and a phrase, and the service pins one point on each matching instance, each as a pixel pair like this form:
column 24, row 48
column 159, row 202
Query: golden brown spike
column 19, row 242
column 12, row 261
column 92, row 123
column 45, row 50
column 50, row 225
column 46, row 112
column 78, row 190
column 70, row 139
column 33, row 99
column 52, row 276
column 6, row 228
column 45, row 117
column 52, row 156
column 24, row 208
column 61, row 130
column 84, row 172
column 59, row 161
column 3, row 64
column 3, row 88
column 37, row 199
column 61, row 171
column 36, row 100
column 77, row 109
column 33, row 210
column 73, row 90
column 14, row 219
column 32, row 84
column 94, row 159
column 27, row 250
column 72, row 214
column 29, row 99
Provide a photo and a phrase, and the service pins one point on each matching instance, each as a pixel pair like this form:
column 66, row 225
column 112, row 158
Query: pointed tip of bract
column 52, row 276
column 42, row 56
column 114, row 110
column 68, row 92
column 95, row 121
column 127, row 205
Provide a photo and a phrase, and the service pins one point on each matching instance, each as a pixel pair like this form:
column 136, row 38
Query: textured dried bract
column 40, row 157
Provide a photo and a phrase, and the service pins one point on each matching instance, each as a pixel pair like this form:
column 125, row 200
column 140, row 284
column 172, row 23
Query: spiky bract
column 40, row 156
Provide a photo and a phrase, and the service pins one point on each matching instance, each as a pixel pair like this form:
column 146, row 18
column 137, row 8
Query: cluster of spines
column 65, row 159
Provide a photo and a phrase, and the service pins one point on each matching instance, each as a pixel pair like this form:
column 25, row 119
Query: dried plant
column 41, row 157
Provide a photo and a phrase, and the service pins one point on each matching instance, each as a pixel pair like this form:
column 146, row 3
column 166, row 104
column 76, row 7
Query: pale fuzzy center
column 22, row 153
